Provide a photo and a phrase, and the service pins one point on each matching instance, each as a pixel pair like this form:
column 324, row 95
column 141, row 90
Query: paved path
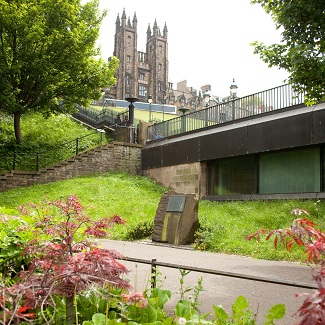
column 218, row 289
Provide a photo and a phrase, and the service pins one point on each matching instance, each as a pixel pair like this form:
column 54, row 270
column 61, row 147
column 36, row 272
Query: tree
column 48, row 58
column 302, row 50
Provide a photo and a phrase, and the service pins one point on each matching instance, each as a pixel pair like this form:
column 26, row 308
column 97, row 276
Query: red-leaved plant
column 303, row 232
column 63, row 261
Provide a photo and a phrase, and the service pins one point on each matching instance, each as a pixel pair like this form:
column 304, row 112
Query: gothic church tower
column 140, row 74
column 157, row 52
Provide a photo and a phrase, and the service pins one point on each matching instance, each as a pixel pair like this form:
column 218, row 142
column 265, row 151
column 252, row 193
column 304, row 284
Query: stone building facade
column 140, row 74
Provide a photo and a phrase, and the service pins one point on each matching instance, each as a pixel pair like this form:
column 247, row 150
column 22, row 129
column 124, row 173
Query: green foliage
column 227, row 224
column 63, row 261
column 242, row 314
column 95, row 301
column 127, row 309
column 190, row 293
column 302, row 49
column 52, row 58
column 136, row 199
column 139, row 231
column 207, row 235
column 133, row 197
column 12, row 244
column 275, row 312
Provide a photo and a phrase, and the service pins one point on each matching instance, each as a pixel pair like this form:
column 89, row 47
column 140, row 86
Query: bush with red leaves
column 303, row 232
column 64, row 261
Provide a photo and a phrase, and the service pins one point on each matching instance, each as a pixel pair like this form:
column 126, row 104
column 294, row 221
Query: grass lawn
column 136, row 198
column 141, row 114
column 223, row 226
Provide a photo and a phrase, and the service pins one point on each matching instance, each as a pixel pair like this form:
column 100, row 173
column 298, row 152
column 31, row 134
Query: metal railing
column 100, row 119
column 154, row 263
column 266, row 101
column 34, row 161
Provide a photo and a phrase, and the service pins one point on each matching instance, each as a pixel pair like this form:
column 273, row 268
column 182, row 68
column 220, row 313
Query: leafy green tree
column 302, row 50
column 48, row 57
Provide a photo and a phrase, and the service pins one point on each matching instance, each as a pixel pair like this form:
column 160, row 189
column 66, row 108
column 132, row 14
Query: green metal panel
column 235, row 176
column 291, row 171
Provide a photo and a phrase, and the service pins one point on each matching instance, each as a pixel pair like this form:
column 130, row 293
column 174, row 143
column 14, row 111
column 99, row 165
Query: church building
column 143, row 74
column 140, row 74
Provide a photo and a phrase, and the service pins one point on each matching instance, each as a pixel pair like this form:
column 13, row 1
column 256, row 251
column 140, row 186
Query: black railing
column 101, row 119
column 44, row 158
column 154, row 263
column 266, row 101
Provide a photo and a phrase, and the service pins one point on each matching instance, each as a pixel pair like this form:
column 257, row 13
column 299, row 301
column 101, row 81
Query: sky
column 208, row 41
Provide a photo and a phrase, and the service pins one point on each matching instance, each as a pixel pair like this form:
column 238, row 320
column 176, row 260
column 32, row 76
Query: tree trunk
column 17, row 116
column 69, row 310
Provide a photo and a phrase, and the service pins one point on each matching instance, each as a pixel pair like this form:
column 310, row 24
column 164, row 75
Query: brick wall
column 117, row 157
column 186, row 178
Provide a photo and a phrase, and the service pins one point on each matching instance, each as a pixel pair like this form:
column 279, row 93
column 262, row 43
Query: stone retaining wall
column 117, row 157
column 184, row 178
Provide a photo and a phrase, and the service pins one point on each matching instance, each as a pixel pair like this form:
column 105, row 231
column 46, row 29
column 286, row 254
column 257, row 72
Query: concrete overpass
column 264, row 146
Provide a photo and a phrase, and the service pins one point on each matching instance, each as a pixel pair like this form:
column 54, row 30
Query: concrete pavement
column 218, row 290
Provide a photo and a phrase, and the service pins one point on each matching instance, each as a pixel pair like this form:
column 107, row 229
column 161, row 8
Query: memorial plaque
column 176, row 203
column 176, row 219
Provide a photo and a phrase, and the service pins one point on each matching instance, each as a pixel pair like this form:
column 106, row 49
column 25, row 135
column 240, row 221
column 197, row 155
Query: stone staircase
column 114, row 157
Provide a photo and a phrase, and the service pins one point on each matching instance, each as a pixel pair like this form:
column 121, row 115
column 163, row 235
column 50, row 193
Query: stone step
column 81, row 164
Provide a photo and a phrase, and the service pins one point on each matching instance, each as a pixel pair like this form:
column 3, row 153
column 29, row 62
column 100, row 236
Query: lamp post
column 206, row 97
column 150, row 101
column 163, row 105
column 233, row 93
column 131, row 100
column 103, row 97
column 183, row 109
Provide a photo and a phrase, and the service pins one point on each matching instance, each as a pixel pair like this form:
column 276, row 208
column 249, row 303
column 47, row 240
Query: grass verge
column 223, row 226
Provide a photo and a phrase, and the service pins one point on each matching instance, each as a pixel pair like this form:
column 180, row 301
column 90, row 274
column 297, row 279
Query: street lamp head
column 131, row 99
column 233, row 88
column 149, row 99
column 207, row 96
column 183, row 109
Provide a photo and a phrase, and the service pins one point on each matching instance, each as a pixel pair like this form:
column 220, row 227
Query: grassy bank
column 223, row 226
column 135, row 198
column 53, row 138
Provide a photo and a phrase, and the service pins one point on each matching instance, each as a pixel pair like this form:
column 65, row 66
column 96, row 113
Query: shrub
column 12, row 261
column 140, row 231
column 148, row 308
column 63, row 262
column 207, row 235
column 304, row 233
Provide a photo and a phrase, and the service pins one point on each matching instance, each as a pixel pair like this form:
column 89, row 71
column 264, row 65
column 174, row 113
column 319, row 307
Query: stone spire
column 135, row 21
column 123, row 18
column 155, row 28
column 165, row 32
column 148, row 32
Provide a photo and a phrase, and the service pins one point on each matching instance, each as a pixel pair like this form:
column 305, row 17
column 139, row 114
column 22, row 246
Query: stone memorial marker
column 176, row 219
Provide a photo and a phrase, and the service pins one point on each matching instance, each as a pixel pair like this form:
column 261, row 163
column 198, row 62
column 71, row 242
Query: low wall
column 185, row 178
column 117, row 157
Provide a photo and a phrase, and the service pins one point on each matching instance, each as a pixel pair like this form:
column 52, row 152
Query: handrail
column 154, row 263
column 75, row 147
column 237, row 108
column 98, row 119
